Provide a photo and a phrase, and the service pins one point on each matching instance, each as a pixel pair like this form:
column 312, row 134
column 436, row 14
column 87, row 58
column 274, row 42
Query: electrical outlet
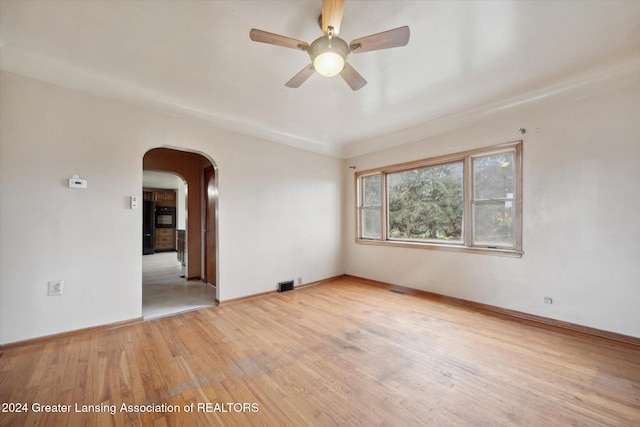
column 55, row 288
column 299, row 280
column 548, row 300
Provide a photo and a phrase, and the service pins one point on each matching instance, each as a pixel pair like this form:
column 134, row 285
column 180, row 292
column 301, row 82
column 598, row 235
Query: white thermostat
column 76, row 182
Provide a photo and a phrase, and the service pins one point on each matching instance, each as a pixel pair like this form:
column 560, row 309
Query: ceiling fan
column 329, row 52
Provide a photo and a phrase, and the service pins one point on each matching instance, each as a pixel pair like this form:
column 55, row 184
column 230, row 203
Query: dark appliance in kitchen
column 165, row 217
column 148, row 228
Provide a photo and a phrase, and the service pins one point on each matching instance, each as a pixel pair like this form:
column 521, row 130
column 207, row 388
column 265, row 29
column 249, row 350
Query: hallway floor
column 165, row 293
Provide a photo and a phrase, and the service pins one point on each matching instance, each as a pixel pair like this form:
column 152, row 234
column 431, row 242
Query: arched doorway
column 182, row 274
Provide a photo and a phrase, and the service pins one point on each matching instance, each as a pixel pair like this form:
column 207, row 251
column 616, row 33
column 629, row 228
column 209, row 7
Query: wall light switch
column 134, row 202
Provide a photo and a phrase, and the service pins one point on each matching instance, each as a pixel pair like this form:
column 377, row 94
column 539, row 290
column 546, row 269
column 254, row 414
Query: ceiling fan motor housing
column 328, row 55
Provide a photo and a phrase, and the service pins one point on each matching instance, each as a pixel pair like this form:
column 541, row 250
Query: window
column 371, row 207
column 468, row 201
column 492, row 201
column 426, row 204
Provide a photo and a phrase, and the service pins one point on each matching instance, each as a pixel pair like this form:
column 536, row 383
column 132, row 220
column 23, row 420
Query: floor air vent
column 397, row 291
column 285, row 286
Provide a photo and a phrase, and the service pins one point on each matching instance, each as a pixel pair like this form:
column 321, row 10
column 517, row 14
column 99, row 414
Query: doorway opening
column 179, row 250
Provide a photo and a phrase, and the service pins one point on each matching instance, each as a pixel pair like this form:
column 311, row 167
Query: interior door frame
column 210, row 222
column 174, row 161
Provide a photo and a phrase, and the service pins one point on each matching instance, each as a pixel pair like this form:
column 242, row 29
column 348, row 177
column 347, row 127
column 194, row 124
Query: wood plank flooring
column 340, row 353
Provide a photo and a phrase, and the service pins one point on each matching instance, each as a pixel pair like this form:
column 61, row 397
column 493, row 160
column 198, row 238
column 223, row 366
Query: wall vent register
column 285, row 286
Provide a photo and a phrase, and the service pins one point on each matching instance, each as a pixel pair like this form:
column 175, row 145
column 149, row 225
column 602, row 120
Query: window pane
column 493, row 177
column 371, row 191
column 371, row 223
column 426, row 203
column 493, row 224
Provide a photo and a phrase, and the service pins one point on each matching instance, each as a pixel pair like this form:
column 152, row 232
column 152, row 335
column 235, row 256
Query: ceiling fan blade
column 276, row 39
column 301, row 77
column 352, row 77
column 332, row 15
column 385, row 40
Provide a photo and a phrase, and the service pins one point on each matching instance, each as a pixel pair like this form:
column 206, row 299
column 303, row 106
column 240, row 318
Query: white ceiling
column 158, row 179
column 195, row 58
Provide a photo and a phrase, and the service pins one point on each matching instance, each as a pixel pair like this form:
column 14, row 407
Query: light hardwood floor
column 340, row 353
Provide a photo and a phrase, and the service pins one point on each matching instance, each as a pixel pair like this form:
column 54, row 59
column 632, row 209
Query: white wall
column 581, row 216
column 279, row 208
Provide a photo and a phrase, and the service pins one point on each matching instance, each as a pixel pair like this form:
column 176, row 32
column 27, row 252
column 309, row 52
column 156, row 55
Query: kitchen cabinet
column 165, row 197
column 165, row 239
column 160, row 197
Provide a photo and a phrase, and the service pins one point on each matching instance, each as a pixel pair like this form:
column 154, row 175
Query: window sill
column 443, row 247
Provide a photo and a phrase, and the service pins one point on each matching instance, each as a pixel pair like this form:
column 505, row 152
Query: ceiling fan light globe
column 328, row 64
column 328, row 55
